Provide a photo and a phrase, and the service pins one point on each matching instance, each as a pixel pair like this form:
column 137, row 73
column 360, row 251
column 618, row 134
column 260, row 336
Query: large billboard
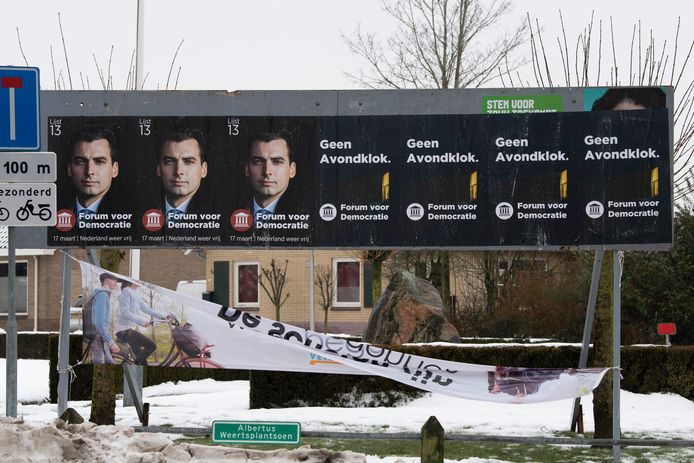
column 522, row 174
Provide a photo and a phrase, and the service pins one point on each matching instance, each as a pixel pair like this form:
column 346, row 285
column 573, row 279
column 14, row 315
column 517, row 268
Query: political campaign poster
column 131, row 321
column 468, row 181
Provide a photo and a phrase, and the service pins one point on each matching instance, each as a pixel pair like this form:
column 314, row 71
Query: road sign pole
column 11, row 333
column 64, row 339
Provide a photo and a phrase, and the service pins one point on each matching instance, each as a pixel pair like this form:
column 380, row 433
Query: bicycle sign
column 27, row 204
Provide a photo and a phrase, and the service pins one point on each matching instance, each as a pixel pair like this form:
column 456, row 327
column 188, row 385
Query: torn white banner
column 134, row 321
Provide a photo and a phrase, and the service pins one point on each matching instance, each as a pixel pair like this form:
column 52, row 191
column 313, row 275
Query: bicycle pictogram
column 43, row 212
column 4, row 213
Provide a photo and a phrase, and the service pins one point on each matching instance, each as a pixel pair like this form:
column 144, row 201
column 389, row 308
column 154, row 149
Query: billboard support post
column 616, row 353
column 64, row 340
column 588, row 327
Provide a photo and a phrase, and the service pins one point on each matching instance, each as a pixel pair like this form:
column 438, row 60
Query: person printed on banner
column 103, row 344
column 520, row 382
column 92, row 167
column 131, row 315
column 181, row 167
column 270, row 168
column 628, row 98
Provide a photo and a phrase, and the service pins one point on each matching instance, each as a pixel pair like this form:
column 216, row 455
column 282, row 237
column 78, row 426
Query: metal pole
column 93, row 257
column 133, row 374
column 11, row 332
column 588, row 327
column 64, row 339
column 616, row 353
column 140, row 46
column 312, row 306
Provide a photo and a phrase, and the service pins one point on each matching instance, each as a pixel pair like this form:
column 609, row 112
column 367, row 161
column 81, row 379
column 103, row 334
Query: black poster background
column 379, row 166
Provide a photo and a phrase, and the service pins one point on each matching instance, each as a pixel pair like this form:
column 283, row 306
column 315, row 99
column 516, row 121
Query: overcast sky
column 265, row 44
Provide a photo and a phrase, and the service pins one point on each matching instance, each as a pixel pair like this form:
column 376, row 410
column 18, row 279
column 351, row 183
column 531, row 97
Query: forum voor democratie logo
column 241, row 220
column 415, row 211
column 327, row 212
column 504, row 211
column 595, row 209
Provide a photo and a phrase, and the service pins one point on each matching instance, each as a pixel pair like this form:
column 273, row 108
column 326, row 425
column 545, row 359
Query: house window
column 20, row 292
column 654, row 182
column 564, row 184
column 246, row 284
column 347, row 283
column 473, row 186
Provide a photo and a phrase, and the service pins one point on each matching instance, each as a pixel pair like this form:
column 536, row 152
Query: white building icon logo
column 595, row 209
column 327, row 212
column 153, row 220
column 415, row 211
column 504, row 211
column 241, row 220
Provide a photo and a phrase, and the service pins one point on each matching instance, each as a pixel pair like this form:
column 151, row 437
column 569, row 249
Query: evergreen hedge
column 29, row 345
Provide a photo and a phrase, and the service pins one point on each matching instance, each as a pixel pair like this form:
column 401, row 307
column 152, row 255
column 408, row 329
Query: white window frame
column 236, row 285
column 26, row 309
column 351, row 304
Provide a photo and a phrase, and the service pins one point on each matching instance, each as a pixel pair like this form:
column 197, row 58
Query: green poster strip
column 521, row 104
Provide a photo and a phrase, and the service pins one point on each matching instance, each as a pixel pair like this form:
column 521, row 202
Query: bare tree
column 376, row 257
column 649, row 63
column 323, row 280
column 273, row 281
column 437, row 44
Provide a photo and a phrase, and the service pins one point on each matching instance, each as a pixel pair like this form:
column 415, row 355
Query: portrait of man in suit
column 181, row 167
column 270, row 168
column 92, row 167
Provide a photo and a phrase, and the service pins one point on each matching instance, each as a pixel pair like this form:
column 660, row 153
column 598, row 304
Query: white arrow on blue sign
column 20, row 129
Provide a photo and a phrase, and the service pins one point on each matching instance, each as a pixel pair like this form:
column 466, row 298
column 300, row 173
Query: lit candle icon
column 11, row 83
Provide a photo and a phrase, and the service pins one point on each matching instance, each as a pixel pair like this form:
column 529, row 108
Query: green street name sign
column 521, row 104
column 256, row 432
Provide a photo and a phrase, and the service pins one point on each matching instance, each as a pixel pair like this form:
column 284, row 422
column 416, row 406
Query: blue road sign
column 20, row 129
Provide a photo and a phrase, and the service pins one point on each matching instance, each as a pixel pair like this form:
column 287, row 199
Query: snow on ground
column 198, row 403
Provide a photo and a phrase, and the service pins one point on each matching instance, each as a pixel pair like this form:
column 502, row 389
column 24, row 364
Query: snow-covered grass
column 198, row 403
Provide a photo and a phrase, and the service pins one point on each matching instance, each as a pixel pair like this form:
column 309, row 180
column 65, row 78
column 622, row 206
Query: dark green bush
column 29, row 345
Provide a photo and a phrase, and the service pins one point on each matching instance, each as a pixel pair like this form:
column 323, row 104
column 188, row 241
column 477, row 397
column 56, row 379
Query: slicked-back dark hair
column 269, row 136
column 646, row 97
column 187, row 134
column 90, row 134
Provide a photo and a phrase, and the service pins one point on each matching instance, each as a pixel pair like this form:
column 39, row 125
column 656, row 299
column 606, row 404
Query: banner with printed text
column 131, row 321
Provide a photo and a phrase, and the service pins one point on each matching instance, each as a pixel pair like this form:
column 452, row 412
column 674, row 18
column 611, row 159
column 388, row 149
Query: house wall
column 296, row 311
column 163, row 267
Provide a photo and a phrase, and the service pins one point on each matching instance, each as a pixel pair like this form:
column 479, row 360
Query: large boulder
column 410, row 310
